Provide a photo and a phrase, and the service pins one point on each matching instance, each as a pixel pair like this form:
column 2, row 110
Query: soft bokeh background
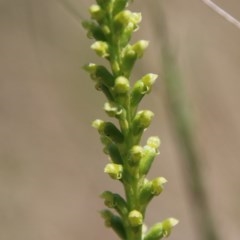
column 51, row 162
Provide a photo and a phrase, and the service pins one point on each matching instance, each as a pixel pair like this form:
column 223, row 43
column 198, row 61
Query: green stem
column 131, row 186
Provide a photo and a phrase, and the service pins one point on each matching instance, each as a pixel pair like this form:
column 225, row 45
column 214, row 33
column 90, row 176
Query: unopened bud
column 135, row 218
column 153, row 142
column 142, row 121
column 157, row 185
column 149, row 80
column 135, row 155
column 112, row 109
column 100, row 74
column 96, row 12
column 140, row 47
column 114, row 170
column 99, row 125
column 101, row 48
column 114, row 200
column 121, row 85
column 168, row 225
column 149, row 155
column 161, row 230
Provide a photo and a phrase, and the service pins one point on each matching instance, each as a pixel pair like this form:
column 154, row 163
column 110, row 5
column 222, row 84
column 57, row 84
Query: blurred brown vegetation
column 50, row 158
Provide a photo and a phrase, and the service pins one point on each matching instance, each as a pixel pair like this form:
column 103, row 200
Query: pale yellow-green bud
column 114, row 170
column 112, row 109
column 157, row 185
column 149, row 155
column 101, row 48
column 96, row 12
column 121, row 85
column 135, row 155
column 142, row 121
column 153, row 142
column 90, row 67
column 99, row 125
column 161, row 230
column 136, row 18
column 135, row 218
column 128, row 19
column 139, row 47
column 168, row 225
column 108, row 199
column 149, row 79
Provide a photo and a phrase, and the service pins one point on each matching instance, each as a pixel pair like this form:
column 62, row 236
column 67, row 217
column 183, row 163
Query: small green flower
column 121, row 85
column 135, row 218
column 101, row 48
column 135, row 155
column 161, row 230
column 140, row 47
column 114, row 170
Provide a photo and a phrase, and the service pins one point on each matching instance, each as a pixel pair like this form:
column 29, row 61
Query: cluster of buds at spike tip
column 111, row 26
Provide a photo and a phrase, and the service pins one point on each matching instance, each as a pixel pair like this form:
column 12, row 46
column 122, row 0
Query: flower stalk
column 112, row 26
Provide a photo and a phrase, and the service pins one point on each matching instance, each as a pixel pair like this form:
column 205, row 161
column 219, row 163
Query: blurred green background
column 51, row 161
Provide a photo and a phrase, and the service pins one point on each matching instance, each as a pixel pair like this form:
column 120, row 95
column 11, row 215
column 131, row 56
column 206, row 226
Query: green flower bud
column 126, row 17
column 139, row 47
column 146, row 192
column 135, row 155
column 94, row 30
column 114, row 170
column 149, row 80
column 129, row 59
column 115, row 222
column 168, row 225
column 153, row 142
column 106, row 30
column 99, row 125
column 113, row 200
column 151, row 189
column 108, row 199
column 96, row 12
column 135, row 218
column 157, row 185
column 149, row 155
column 142, row 87
column 100, row 74
column 142, row 121
column 123, row 18
column 101, row 48
column 121, row 85
column 109, row 130
column 161, row 230
column 112, row 109
column 138, row 92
